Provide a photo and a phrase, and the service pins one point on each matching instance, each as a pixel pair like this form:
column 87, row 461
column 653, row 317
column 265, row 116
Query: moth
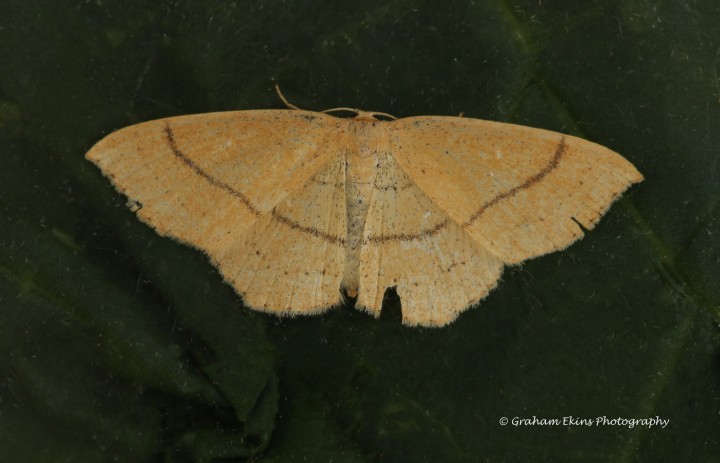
column 293, row 206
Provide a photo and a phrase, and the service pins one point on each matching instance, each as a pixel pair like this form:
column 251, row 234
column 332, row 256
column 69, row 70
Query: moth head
column 361, row 115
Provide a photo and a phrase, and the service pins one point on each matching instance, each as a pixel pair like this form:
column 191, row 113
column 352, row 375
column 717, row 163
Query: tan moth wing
column 411, row 243
column 517, row 191
column 226, row 183
column 455, row 199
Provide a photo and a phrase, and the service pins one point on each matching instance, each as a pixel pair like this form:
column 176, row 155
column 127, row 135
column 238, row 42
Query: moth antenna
column 284, row 100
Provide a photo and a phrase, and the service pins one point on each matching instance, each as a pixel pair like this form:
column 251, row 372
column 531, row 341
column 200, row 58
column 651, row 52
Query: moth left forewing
column 221, row 182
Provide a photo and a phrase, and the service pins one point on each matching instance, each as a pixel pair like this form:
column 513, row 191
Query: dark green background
column 119, row 345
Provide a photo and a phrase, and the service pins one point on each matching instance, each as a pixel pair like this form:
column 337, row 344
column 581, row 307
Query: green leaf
column 116, row 343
